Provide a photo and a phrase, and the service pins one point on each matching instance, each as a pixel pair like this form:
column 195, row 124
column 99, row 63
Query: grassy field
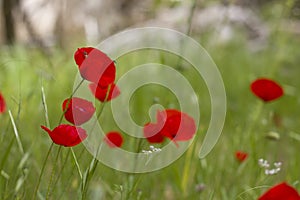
column 26, row 72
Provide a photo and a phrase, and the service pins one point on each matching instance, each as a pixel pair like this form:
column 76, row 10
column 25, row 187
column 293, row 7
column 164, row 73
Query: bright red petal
column 114, row 139
column 281, row 191
column 101, row 93
column 77, row 110
column 266, row 89
column 152, row 133
column 2, row 104
column 95, row 66
column 66, row 135
column 81, row 54
column 178, row 125
column 241, row 156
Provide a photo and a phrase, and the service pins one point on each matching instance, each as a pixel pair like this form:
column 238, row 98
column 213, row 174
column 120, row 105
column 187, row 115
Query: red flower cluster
column 113, row 139
column 281, row 191
column 66, row 135
column 241, row 156
column 2, row 104
column 266, row 89
column 172, row 124
column 98, row 68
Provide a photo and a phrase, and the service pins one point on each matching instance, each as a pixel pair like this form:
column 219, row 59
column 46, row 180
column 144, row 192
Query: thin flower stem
column 42, row 171
column 76, row 163
column 52, row 173
column 187, row 32
column 190, row 19
column 186, row 169
column 253, row 123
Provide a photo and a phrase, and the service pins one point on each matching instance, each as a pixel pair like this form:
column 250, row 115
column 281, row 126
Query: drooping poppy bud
column 66, row 135
column 77, row 110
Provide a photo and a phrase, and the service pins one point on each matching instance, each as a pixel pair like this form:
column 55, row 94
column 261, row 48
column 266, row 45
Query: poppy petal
column 266, row 89
column 179, row 126
column 77, row 110
column 172, row 124
column 152, row 133
column 280, row 192
column 95, row 66
column 66, row 135
column 2, row 104
column 113, row 139
column 101, row 93
column 241, row 156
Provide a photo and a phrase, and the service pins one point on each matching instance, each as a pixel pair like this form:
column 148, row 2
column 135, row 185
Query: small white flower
column 277, row 164
column 265, row 164
column 151, row 150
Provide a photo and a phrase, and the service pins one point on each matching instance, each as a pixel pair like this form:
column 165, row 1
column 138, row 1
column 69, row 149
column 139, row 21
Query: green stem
column 190, row 18
column 52, row 173
column 186, row 169
column 188, row 32
column 252, row 136
column 42, row 171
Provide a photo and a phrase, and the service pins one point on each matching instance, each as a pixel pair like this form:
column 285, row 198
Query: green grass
column 25, row 71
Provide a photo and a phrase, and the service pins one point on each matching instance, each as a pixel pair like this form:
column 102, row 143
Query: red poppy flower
column 113, row 139
column 281, row 191
column 95, row 66
column 266, row 89
column 172, row 124
column 77, row 110
column 241, row 156
column 66, row 135
column 101, row 93
column 2, row 104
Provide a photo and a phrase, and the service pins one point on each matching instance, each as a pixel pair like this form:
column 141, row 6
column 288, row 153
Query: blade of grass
column 76, row 163
column 45, row 107
column 16, row 133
